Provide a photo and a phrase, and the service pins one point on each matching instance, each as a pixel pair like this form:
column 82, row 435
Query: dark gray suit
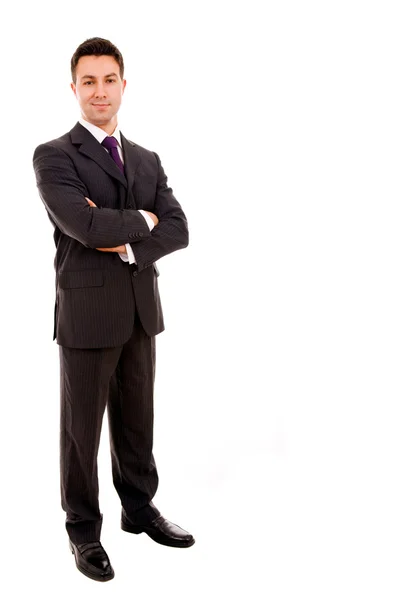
column 95, row 293
column 107, row 313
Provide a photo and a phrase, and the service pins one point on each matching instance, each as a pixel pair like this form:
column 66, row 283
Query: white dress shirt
column 100, row 135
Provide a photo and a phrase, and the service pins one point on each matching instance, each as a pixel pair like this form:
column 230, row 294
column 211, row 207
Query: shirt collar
column 99, row 133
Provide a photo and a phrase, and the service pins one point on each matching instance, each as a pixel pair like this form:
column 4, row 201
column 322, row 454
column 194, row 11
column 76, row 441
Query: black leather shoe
column 91, row 560
column 161, row 531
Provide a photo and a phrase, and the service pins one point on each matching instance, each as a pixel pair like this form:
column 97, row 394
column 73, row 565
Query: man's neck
column 108, row 127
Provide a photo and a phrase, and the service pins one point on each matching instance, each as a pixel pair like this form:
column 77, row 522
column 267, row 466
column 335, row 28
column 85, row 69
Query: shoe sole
column 172, row 543
column 91, row 575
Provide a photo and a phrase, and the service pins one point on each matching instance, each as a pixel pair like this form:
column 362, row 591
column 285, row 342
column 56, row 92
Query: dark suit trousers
column 123, row 379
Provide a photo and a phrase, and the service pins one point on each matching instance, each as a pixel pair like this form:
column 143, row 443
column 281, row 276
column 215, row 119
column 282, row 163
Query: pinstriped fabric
column 130, row 420
column 97, row 293
column 122, row 379
column 63, row 194
column 107, row 313
column 170, row 226
column 97, row 307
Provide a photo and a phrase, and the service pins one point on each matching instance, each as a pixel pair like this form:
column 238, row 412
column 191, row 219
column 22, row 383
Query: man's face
column 98, row 89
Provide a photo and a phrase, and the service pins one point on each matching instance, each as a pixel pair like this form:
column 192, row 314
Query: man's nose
column 100, row 91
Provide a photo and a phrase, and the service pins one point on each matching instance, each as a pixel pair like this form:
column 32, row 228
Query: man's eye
column 113, row 80
column 87, row 82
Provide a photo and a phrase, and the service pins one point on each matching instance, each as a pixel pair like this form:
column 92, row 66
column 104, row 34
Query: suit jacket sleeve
column 63, row 195
column 171, row 233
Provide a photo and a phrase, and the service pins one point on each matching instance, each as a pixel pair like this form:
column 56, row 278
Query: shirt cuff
column 149, row 220
column 128, row 255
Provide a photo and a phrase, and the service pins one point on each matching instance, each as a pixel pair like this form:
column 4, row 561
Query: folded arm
column 63, row 195
column 171, row 232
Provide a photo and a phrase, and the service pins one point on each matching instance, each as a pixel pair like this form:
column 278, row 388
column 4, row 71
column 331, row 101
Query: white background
column 277, row 389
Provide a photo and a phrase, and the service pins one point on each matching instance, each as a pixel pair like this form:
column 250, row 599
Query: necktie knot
column 109, row 142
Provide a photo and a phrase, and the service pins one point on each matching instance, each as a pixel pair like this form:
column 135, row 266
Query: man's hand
column 92, row 204
column 117, row 248
column 152, row 216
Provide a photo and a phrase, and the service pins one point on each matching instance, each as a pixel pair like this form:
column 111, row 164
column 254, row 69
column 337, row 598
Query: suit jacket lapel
column 89, row 146
column 132, row 160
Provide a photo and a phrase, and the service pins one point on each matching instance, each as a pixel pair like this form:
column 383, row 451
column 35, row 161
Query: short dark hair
column 96, row 46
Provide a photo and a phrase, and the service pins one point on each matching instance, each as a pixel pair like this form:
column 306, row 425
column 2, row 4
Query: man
column 114, row 216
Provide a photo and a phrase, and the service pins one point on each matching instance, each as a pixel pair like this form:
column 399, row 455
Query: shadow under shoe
column 91, row 559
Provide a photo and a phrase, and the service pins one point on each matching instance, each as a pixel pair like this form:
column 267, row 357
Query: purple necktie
column 112, row 146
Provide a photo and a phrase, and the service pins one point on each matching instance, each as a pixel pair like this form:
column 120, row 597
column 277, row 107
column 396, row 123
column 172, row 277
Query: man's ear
column 73, row 87
column 123, row 85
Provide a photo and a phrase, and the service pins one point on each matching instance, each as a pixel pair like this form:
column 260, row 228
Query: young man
column 114, row 216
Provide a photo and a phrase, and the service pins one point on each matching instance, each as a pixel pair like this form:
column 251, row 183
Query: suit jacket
column 96, row 292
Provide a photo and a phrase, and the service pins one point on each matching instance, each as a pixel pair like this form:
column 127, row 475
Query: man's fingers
column 90, row 202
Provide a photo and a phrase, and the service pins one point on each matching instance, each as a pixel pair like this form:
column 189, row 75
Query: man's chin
column 99, row 119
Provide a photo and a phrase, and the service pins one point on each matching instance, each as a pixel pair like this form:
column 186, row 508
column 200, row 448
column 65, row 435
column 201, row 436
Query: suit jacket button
column 140, row 234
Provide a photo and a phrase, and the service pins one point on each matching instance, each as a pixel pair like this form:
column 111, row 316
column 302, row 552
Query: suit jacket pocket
column 80, row 279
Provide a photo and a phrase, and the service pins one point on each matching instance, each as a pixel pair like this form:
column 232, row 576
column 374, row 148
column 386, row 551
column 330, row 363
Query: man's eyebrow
column 94, row 77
